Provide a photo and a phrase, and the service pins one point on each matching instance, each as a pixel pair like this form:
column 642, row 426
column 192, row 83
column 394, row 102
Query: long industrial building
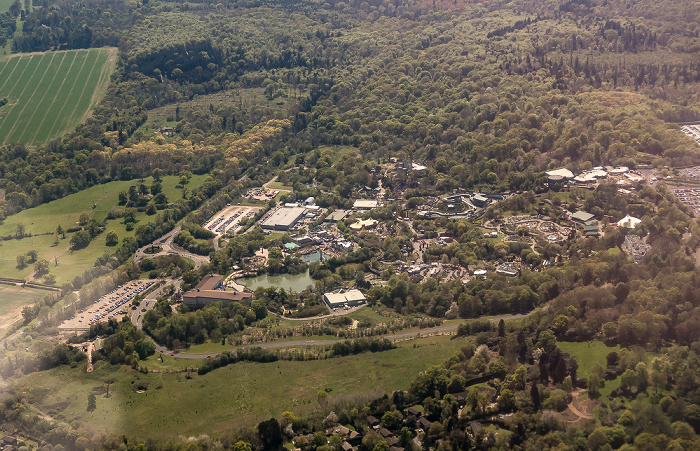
column 284, row 218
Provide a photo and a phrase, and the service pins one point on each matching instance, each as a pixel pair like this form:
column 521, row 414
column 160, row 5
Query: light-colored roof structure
column 629, row 222
column 562, row 172
column 338, row 215
column 581, row 216
column 340, row 299
column 283, row 218
column 365, row 204
column 363, row 224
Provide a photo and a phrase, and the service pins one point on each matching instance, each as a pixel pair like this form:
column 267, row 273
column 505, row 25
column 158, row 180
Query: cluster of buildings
column 636, row 247
column 557, row 178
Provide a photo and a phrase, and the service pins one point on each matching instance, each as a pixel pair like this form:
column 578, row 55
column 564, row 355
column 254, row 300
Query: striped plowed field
column 50, row 93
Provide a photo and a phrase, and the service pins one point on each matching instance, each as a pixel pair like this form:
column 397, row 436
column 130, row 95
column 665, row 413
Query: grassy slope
column 235, row 396
column 587, row 353
column 66, row 211
column 50, row 93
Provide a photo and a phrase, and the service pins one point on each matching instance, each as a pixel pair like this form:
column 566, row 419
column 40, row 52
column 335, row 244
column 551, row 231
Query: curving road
column 166, row 244
column 289, row 344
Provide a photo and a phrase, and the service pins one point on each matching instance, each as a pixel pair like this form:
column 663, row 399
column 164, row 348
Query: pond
column 297, row 282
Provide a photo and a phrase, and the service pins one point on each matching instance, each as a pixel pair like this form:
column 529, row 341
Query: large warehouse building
column 284, row 218
column 211, row 289
column 349, row 298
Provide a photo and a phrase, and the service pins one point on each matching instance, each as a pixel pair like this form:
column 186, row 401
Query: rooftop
column 562, row 172
column 581, row 216
column 365, row 204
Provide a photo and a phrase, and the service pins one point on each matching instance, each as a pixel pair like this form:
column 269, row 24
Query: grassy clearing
column 50, row 93
column 12, row 300
column 5, row 5
column 66, row 212
column 587, row 353
column 279, row 186
column 241, row 394
column 337, row 152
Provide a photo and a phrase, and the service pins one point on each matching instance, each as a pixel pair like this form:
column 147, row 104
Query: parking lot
column 228, row 219
column 115, row 304
column 690, row 197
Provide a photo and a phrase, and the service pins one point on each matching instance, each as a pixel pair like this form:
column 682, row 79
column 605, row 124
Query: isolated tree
column 21, row 261
column 112, row 238
column 32, row 256
column 270, row 434
column 80, row 240
column 19, row 230
column 41, row 267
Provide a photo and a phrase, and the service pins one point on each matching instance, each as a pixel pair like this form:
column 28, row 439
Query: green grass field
column 66, row 211
column 50, row 93
column 242, row 394
column 587, row 353
column 5, row 5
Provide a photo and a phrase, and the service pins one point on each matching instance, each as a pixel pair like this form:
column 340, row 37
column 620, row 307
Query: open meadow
column 51, row 92
column 241, row 394
column 65, row 264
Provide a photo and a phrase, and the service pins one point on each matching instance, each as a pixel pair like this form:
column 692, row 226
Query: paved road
column 167, row 246
column 293, row 343
column 147, row 303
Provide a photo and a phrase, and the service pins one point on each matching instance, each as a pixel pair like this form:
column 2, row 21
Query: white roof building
column 561, row 173
column 629, row 222
column 365, row 204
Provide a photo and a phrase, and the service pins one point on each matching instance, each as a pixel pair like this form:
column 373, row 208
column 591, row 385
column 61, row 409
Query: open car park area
column 228, row 219
column 114, row 304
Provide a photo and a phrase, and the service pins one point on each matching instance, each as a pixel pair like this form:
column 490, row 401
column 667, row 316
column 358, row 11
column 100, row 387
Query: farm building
column 284, row 218
column 349, row 298
column 211, row 289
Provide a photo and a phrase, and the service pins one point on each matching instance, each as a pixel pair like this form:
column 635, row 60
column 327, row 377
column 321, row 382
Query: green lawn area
column 5, row 5
column 337, row 152
column 66, row 211
column 586, row 354
column 280, row 186
column 242, row 394
column 12, row 299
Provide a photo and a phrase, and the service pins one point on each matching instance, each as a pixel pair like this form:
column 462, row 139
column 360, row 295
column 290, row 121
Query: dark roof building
column 210, row 289
column 372, row 421
column 413, row 411
column 581, row 217
column 423, row 423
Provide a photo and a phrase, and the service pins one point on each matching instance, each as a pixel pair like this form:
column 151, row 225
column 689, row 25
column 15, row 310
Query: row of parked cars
column 116, row 298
